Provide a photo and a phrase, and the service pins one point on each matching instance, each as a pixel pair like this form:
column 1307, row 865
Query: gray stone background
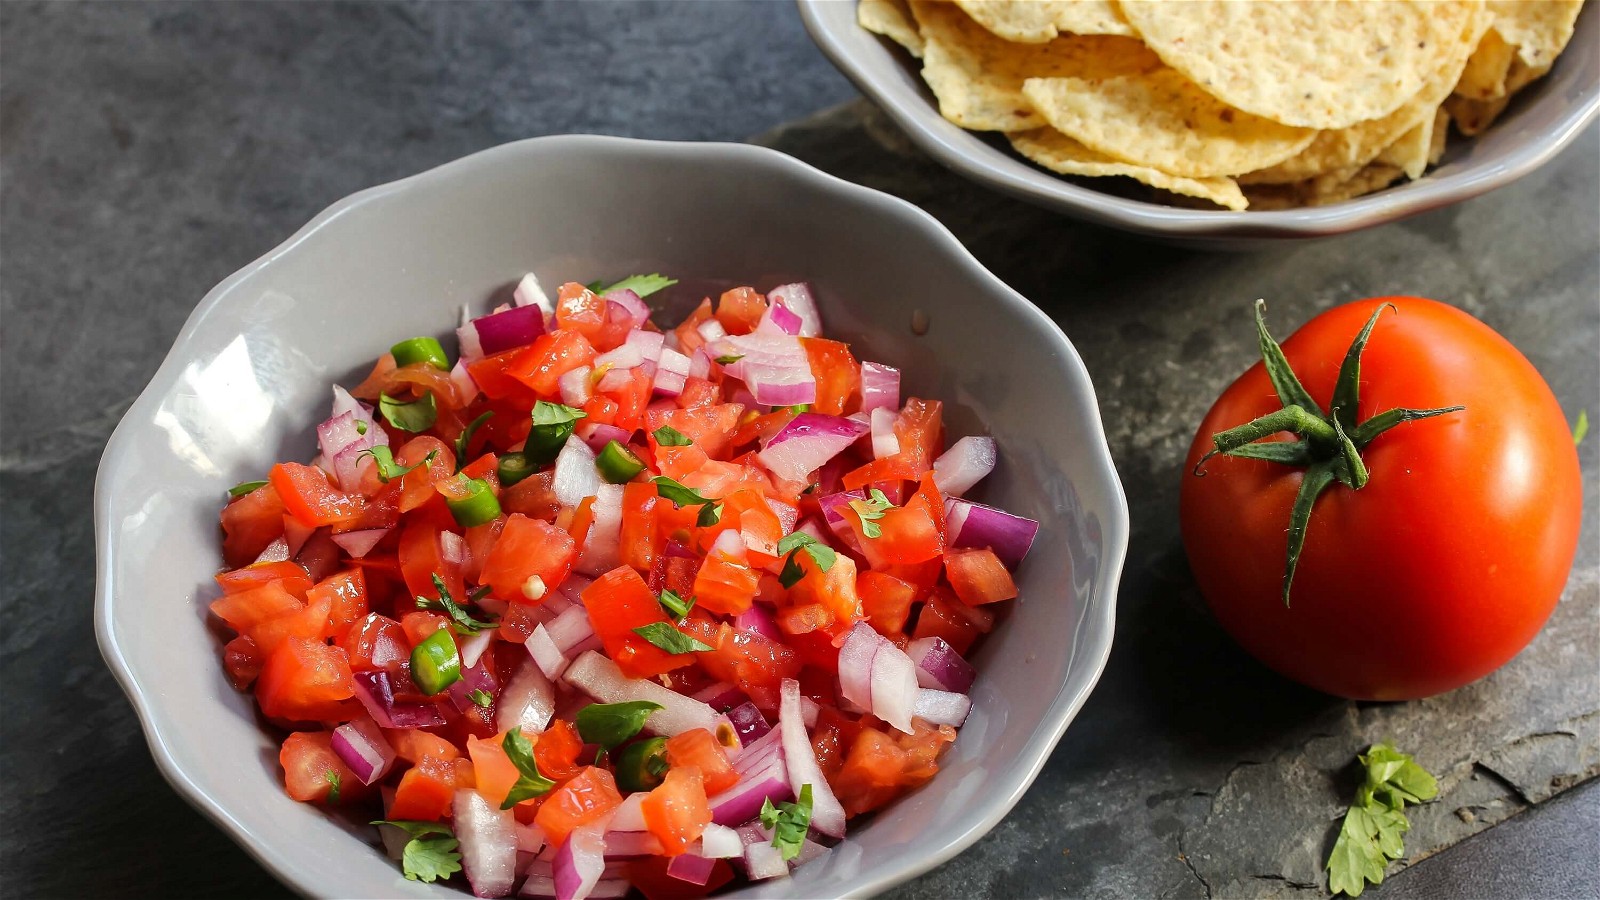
column 149, row 149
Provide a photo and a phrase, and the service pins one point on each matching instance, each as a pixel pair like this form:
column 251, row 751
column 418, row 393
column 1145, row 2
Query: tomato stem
column 1330, row 444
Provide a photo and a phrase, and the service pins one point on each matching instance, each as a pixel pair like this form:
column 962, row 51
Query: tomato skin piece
column 376, row 642
column 243, row 660
column 528, row 547
column 585, row 798
column 618, row 602
column 1452, row 556
column 945, row 616
column 725, row 585
column 288, row 572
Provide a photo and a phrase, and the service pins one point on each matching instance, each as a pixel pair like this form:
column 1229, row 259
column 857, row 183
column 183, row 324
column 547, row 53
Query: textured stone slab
column 1193, row 771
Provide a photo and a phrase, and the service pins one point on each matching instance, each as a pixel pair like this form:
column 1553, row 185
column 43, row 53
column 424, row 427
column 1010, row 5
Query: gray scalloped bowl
column 248, row 378
column 1540, row 122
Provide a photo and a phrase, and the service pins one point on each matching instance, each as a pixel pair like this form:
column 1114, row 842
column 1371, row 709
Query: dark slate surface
column 147, row 150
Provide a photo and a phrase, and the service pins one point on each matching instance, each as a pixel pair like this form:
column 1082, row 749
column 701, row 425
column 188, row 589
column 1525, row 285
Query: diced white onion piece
column 530, row 838
column 576, row 386
column 942, row 707
column 763, row 861
column 855, row 664
column 894, row 686
column 625, row 356
column 827, row 814
column 672, row 370
column 546, row 655
column 630, row 815
column 488, row 839
column 570, row 629
column 600, row 678
column 602, row 549
column 720, row 842
column 528, row 701
column 880, row 387
column 472, row 647
column 576, row 476
column 885, row 442
column 530, row 293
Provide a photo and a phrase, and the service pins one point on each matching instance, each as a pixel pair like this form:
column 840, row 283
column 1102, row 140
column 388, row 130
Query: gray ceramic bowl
column 248, row 378
column 1541, row 121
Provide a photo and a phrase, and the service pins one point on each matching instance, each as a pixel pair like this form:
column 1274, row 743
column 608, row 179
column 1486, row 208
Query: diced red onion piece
column 530, row 293
column 719, row 695
column 598, row 434
column 650, row 344
column 763, row 861
column 638, row 311
column 347, row 466
column 546, row 655
column 630, row 815
column 885, row 442
column 748, row 722
column 810, row 710
column 880, row 387
column 894, row 686
column 855, row 664
column 787, row 515
column 940, row 666
column 528, row 701
column 603, row 548
column 827, row 814
column 758, row 619
column 530, row 838
column 518, row 326
column 468, row 343
column 359, row 543
column 672, row 370
column 964, row 465
column 337, row 433
column 614, row 380
column 576, row 386
column 778, row 319
column 376, row 694
column 579, row 862
column 775, row 386
column 797, row 297
column 475, row 677
column 942, row 707
column 488, row 839
column 629, row 844
column 575, row 474
column 452, row 548
column 691, row 868
column 601, row 679
column 364, row 749
column 711, row 330
column 625, row 356
column 806, row 442
column 969, row 524
column 570, row 629
column 700, row 363
column 472, row 647
column 743, row 801
column 720, row 842
column 460, row 379
column 572, row 588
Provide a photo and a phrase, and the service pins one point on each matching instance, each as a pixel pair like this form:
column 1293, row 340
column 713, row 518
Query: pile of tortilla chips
column 1262, row 104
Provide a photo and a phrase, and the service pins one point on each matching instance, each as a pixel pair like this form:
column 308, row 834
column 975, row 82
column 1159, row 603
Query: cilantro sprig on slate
column 1371, row 835
column 431, row 853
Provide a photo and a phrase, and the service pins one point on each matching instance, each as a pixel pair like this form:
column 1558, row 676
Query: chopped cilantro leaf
column 245, row 487
column 667, row 436
column 418, row 415
column 670, row 639
column 530, row 781
column 643, row 285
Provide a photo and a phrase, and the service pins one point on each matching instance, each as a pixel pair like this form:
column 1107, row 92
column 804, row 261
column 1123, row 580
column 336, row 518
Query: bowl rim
column 964, row 153
column 1063, row 707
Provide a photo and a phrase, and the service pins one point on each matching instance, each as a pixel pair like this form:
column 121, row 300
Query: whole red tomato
column 1451, row 556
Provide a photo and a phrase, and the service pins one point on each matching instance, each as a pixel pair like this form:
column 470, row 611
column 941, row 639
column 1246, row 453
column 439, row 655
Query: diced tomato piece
column 837, row 373
column 886, row 600
column 618, row 602
column 414, row 746
column 709, row 427
column 698, row 392
column 422, row 557
column 534, row 497
column 250, row 523
column 375, row 642
column 677, row 812
column 725, row 585
column 585, row 798
column 870, row 775
column 580, row 309
column 907, row 534
column 678, row 462
column 243, row 660
column 420, row 624
column 311, row 768
column 493, row 772
column 527, row 548
column 689, row 339
column 922, row 748
column 417, row 485
column 310, row 497
column 305, row 680
column 557, row 750
column 699, row 749
column 744, row 658
column 309, row 622
column 804, row 618
column 947, row 617
column 244, row 611
column 978, row 576
column 493, row 378
column 289, row 572
column 832, row 739
column 427, row 790
column 639, row 539
column 631, row 400
column 740, row 310
column 601, row 410
column 920, row 430
column 541, row 366
column 834, row 589
column 347, row 594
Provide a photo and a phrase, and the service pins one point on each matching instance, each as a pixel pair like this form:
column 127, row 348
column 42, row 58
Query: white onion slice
column 601, row 679
column 964, row 465
column 530, row 293
column 827, row 814
column 942, row 707
column 602, row 549
column 576, row 476
column 488, row 839
column 551, row 661
column 528, row 701
column 894, row 686
column 855, row 665
column 885, row 442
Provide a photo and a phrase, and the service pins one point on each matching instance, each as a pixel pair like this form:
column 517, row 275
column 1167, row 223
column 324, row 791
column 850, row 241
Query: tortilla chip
column 1539, row 29
column 1163, row 120
column 1039, row 21
column 1059, row 153
column 1349, row 149
column 1472, row 117
column 1409, row 154
column 1441, row 132
column 978, row 77
column 1484, row 78
column 892, row 19
column 1329, row 189
column 1328, row 64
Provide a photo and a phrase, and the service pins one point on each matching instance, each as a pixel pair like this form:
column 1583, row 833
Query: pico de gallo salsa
column 596, row 607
